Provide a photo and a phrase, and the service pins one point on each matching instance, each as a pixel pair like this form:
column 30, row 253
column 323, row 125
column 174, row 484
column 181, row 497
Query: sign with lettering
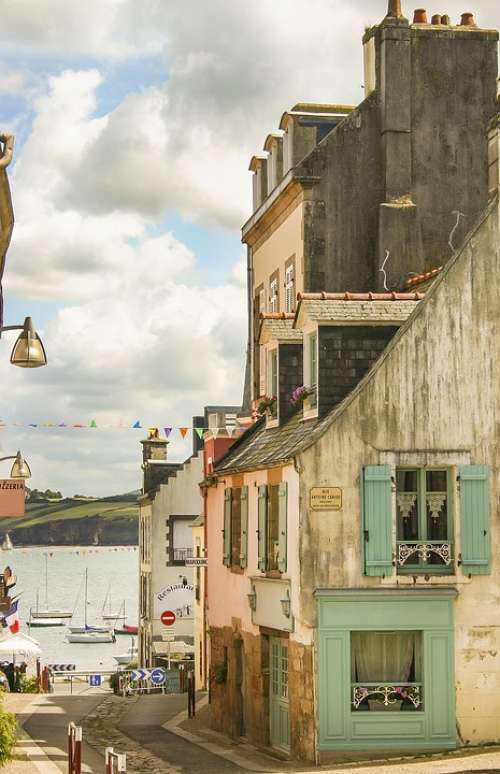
column 178, row 598
column 12, row 497
column 197, row 561
column 326, row 498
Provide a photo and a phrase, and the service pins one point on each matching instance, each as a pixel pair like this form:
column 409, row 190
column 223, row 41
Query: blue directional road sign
column 158, row 676
column 95, row 681
column 139, row 674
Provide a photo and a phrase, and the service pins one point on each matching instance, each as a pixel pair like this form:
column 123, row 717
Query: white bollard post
column 122, row 762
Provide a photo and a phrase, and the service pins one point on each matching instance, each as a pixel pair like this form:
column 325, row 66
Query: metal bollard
column 191, row 692
column 74, row 749
column 111, row 758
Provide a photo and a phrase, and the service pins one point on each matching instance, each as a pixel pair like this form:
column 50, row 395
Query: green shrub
column 7, row 735
column 28, row 684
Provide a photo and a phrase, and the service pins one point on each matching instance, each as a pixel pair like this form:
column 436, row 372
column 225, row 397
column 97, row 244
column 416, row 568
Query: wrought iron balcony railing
column 389, row 695
column 423, row 552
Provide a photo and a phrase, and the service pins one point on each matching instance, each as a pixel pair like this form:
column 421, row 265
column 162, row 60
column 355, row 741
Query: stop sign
column 167, row 618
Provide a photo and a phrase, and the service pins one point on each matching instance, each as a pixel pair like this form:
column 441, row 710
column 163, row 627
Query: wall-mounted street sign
column 197, row 561
column 12, row 497
column 168, row 618
column 95, row 681
column 325, row 498
column 157, row 676
column 168, row 637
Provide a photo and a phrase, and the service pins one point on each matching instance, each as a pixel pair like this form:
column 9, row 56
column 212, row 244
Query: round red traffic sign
column 167, row 618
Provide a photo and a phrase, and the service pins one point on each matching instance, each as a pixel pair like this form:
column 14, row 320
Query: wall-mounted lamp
column 20, row 468
column 286, row 604
column 28, row 351
column 252, row 598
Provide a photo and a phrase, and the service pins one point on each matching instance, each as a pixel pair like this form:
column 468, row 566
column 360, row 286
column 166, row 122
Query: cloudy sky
column 135, row 123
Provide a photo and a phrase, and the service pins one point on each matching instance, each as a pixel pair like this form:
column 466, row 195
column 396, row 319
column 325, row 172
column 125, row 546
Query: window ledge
column 236, row 570
column 310, row 414
column 272, row 423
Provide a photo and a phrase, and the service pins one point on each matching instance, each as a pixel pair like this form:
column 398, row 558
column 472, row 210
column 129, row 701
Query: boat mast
column 86, row 577
column 46, row 581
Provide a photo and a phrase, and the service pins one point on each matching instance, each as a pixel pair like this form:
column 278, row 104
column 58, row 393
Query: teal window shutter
column 226, row 532
column 475, row 519
column 262, row 530
column 244, row 527
column 377, row 519
column 282, row 525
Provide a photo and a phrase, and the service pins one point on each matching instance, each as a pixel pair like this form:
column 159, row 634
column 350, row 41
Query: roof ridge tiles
column 418, row 278
column 347, row 296
column 277, row 316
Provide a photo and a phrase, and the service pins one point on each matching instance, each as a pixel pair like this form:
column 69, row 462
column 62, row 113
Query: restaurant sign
column 12, row 497
column 326, row 498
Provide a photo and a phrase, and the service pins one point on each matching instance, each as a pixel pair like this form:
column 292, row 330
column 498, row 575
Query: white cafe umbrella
column 19, row 645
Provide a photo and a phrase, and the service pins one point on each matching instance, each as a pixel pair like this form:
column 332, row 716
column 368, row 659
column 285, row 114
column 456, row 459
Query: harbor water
column 113, row 568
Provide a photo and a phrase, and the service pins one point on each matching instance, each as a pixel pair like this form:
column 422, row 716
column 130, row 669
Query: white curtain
column 382, row 656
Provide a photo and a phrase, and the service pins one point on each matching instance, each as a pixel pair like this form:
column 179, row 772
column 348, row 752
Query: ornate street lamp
column 20, row 468
column 28, row 351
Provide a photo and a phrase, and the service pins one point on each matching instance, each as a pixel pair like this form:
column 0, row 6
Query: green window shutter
column 244, row 527
column 261, row 532
column 377, row 519
column 475, row 519
column 226, row 532
column 282, row 526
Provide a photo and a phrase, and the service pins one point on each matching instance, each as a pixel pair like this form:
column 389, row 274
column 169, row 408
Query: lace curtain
column 379, row 657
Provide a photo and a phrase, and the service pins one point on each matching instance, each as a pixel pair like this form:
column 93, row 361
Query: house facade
column 351, row 532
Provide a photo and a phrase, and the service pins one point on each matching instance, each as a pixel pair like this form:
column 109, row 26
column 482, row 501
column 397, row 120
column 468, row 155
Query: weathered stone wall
column 301, row 683
column 421, row 138
column 240, row 705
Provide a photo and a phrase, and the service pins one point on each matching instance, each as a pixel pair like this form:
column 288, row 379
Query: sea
column 113, row 572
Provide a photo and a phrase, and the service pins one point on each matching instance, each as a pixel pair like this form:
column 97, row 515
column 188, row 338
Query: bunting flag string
column 153, row 431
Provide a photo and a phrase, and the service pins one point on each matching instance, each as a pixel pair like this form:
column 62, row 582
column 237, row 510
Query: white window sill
column 310, row 414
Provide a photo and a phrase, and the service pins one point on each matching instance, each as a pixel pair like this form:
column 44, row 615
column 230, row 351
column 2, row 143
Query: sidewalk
column 197, row 731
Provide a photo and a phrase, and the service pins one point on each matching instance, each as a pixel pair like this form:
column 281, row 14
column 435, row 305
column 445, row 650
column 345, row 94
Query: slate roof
column 260, row 447
column 366, row 311
column 278, row 328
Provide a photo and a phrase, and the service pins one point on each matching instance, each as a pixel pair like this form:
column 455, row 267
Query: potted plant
column 266, row 405
column 300, row 394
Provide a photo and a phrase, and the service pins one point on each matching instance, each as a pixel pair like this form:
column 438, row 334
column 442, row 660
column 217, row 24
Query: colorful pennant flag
column 137, row 425
column 183, row 431
column 93, row 423
column 167, row 431
column 214, row 431
column 200, row 431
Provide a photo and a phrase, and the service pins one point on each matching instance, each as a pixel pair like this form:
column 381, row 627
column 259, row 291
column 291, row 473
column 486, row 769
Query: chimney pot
column 394, row 9
column 420, row 16
column 445, row 19
column 436, row 19
column 467, row 20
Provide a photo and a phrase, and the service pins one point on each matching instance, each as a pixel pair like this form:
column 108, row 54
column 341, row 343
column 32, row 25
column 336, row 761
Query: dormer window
column 274, row 294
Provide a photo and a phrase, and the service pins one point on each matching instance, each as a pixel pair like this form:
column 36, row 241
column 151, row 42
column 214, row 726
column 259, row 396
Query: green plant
column 7, row 735
column 220, row 673
column 28, row 684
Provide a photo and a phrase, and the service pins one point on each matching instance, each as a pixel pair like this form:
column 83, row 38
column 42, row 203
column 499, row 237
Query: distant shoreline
column 68, row 546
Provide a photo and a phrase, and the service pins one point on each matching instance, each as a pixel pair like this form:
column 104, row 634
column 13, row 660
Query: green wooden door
column 280, row 723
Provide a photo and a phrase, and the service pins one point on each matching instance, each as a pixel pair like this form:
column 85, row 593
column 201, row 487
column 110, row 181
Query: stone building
column 353, row 584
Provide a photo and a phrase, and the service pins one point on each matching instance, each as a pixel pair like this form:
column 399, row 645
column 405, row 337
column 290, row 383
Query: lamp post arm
column 11, row 328
column 13, row 457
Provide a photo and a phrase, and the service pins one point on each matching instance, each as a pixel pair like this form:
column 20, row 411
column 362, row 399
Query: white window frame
column 290, row 288
column 272, row 376
column 273, row 295
column 262, row 301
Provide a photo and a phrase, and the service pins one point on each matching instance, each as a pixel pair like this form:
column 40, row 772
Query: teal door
column 280, row 723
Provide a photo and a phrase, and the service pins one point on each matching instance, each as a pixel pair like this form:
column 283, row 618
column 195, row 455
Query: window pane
column 407, row 504
column 437, row 507
column 236, row 527
column 273, row 528
column 387, row 671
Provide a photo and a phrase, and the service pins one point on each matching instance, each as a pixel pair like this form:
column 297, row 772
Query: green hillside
column 75, row 520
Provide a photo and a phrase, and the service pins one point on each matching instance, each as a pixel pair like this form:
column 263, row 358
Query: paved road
column 45, row 719
column 143, row 723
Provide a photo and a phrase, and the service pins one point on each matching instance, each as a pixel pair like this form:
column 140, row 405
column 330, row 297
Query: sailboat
column 90, row 634
column 129, row 656
column 109, row 615
column 7, row 543
column 46, row 617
